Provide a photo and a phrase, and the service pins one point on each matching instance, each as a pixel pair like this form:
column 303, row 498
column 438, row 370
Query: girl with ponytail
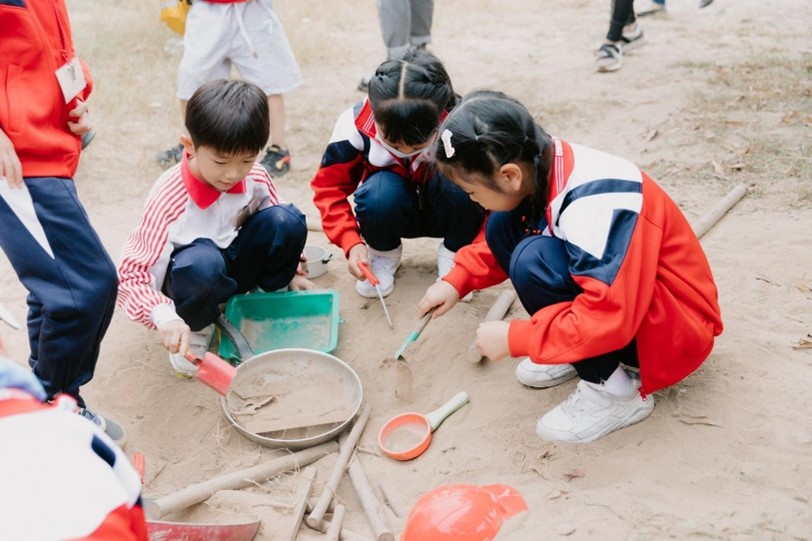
column 618, row 288
column 379, row 153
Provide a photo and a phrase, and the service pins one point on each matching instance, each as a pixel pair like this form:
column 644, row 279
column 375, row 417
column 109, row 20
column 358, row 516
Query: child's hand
column 175, row 336
column 81, row 113
column 357, row 254
column 10, row 166
column 300, row 283
column 492, row 339
column 442, row 295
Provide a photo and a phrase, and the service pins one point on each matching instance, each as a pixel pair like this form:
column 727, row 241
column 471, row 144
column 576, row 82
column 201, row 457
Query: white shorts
column 215, row 40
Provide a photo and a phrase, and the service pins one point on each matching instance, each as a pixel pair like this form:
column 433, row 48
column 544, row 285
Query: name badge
column 71, row 79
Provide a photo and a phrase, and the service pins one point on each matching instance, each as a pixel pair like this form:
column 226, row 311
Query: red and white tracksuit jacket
column 62, row 478
column 179, row 209
column 352, row 154
column 656, row 287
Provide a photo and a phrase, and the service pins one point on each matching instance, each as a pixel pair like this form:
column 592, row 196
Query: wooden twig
column 198, row 492
column 306, row 480
column 372, row 506
column 720, row 209
column 497, row 311
column 347, row 445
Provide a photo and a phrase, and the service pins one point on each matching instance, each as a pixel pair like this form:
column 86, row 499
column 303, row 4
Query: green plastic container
column 289, row 319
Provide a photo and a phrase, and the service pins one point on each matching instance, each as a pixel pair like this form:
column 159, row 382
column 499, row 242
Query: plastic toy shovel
column 213, row 371
column 407, row 435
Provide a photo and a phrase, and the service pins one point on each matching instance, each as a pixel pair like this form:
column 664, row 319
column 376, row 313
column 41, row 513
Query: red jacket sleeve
column 475, row 267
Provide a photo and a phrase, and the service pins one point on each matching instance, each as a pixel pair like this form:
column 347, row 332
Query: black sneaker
column 110, row 427
column 276, row 161
column 170, row 157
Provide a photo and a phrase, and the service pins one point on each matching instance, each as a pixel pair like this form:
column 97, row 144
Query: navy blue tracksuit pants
column 538, row 268
column 266, row 253
column 389, row 208
column 71, row 281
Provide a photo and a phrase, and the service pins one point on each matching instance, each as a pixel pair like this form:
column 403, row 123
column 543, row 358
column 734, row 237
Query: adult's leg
column 267, row 250
column 72, row 282
column 198, row 281
column 422, row 15
column 384, row 203
column 396, row 21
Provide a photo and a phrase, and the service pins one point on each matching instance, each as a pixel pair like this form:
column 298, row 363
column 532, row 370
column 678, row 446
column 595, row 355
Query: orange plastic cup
column 408, row 435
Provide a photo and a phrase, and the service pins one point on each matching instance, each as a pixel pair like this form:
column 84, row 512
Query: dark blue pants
column 265, row 253
column 389, row 207
column 71, row 295
column 538, row 268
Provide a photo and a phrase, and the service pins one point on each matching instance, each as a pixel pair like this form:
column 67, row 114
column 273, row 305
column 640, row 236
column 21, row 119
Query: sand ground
column 717, row 98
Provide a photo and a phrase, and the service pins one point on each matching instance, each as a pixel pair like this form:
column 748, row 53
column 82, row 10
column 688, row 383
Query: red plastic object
column 368, row 273
column 462, row 512
column 213, row 371
column 139, row 463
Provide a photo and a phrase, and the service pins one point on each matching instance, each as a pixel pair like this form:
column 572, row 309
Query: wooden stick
column 306, row 481
column 345, row 534
column 720, row 209
column 388, row 497
column 260, row 473
column 497, row 311
column 372, row 506
column 334, row 529
column 347, row 445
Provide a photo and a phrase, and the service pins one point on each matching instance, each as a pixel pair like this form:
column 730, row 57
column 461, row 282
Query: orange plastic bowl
column 405, row 436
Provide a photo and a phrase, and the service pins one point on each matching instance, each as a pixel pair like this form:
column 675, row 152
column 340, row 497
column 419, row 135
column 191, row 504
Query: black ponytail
column 409, row 96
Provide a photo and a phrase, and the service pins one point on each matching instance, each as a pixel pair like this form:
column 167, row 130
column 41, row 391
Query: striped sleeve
column 265, row 189
column 146, row 252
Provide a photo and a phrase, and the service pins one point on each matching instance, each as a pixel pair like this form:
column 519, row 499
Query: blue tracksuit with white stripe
column 70, row 278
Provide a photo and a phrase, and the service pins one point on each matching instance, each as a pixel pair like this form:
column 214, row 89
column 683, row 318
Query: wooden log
column 306, row 480
column 497, row 311
column 720, row 209
column 347, row 444
column 372, row 506
column 390, row 498
column 196, row 493
column 334, row 530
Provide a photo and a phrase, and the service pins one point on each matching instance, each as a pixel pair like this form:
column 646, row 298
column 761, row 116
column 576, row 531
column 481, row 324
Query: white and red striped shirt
column 179, row 209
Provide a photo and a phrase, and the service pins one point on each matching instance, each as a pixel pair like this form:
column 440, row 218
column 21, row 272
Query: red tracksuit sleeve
column 475, row 267
column 336, row 179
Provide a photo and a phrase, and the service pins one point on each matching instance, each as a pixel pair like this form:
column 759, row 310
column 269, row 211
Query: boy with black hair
column 213, row 225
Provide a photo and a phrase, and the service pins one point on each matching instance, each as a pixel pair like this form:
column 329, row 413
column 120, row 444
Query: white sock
column 619, row 384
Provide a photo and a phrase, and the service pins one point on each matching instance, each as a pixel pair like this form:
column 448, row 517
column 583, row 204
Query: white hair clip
column 446, row 137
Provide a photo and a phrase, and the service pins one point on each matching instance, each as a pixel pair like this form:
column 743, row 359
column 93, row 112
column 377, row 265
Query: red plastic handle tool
column 368, row 273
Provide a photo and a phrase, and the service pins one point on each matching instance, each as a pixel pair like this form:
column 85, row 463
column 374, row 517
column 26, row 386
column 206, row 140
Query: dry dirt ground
column 717, row 98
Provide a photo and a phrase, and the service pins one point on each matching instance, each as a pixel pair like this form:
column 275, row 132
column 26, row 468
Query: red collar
column 201, row 193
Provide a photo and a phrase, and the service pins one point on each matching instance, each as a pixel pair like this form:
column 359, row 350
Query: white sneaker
column 383, row 265
column 445, row 262
column 589, row 414
column 542, row 376
column 199, row 344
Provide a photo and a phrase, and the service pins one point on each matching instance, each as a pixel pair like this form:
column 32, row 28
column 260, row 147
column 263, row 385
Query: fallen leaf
column 574, row 474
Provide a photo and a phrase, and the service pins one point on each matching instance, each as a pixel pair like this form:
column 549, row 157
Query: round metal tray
column 305, row 384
